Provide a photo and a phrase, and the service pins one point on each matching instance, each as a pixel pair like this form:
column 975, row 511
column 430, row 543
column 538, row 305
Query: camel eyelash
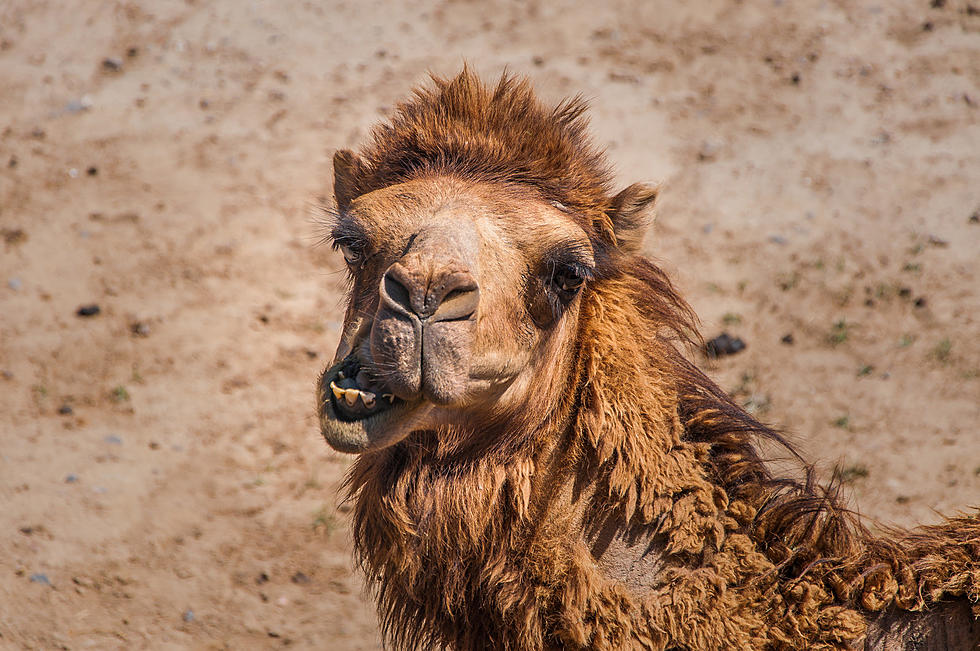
column 572, row 254
column 346, row 242
column 570, row 260
column 346, row 231
column 576, row 268
column 346, row 235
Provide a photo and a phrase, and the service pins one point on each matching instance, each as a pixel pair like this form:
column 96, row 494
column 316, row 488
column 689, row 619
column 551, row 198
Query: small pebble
column 15, row 284
column 787, row 339
column 40, row 578
column 13, row 235
column 71, row 478
column 139, row 329
column 777, row 239
column 88, row 310
column 708, row 151
column 84, row 103
column 300, row 579
column 724, row 344
column 92, row 171
column 188, row 615
column 920, row 302
column 112, row 64
column 112, row 439
column 65, row 410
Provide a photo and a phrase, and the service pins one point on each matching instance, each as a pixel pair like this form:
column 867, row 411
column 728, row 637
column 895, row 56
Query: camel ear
column 631, row 212
column 345, row 169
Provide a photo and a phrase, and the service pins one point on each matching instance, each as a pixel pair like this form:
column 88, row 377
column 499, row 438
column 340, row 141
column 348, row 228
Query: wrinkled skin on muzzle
column 423, row 331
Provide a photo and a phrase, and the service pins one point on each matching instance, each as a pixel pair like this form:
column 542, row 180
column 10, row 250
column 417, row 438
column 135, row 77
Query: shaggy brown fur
column 498, row 538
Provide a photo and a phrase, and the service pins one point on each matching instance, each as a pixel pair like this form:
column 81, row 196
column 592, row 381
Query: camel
column 539, row 464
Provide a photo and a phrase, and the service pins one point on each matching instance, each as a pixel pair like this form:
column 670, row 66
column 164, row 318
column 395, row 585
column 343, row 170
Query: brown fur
column 501, row 544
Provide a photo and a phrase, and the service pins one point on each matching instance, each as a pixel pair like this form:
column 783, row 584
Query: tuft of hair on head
column 499, row 134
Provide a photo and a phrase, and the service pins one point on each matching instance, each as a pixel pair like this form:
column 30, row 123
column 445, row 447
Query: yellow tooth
column 341, row 376
column 390, row 397
column 368, row 399
column 350, row 395
column 338, row 393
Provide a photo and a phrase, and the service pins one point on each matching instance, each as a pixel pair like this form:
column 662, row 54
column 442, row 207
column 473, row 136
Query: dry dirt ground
column 162, row 482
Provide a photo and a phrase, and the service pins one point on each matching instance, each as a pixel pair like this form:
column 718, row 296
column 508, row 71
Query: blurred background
column 165, row 307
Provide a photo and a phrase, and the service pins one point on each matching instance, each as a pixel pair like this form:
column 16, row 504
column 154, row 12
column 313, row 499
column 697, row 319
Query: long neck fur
column 492, row 550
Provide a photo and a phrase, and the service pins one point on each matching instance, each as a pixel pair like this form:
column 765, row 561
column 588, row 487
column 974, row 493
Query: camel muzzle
column 423, row 333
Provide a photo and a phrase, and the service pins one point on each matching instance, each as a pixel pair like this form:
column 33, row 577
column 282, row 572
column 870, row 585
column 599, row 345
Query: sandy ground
column 162, row 482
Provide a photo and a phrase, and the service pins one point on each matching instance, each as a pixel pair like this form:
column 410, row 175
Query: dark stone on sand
column 724, row 344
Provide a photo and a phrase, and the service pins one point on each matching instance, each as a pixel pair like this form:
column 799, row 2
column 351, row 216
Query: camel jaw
column 355, row 419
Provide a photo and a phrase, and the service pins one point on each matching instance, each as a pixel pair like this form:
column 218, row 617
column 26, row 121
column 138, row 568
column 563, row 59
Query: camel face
column 464, row 297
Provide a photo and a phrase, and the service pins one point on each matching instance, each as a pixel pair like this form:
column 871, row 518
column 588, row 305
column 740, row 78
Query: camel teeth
column 350, row 395
column 368, row 398
column 390, row 397
column 341, row 376
column 338, row 393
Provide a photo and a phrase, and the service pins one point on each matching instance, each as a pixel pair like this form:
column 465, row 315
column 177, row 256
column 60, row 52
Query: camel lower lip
column 356, row 428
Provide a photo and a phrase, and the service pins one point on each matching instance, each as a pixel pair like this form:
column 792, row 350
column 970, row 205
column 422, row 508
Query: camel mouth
column 356, row 413
column 355, row 394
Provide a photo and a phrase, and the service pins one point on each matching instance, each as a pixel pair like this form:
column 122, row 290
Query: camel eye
column 353, row 255
column 567, row 282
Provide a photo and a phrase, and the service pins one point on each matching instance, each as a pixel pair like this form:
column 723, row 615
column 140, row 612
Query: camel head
column 473, row 228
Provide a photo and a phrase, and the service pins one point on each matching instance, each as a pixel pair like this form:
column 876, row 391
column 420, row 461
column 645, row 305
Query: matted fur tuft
column 460, row 127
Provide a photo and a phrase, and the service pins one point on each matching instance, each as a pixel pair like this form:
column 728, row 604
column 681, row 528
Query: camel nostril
column 395, row 293
column 458, row 303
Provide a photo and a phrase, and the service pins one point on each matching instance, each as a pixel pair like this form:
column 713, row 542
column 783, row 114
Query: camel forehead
column 504, row 216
